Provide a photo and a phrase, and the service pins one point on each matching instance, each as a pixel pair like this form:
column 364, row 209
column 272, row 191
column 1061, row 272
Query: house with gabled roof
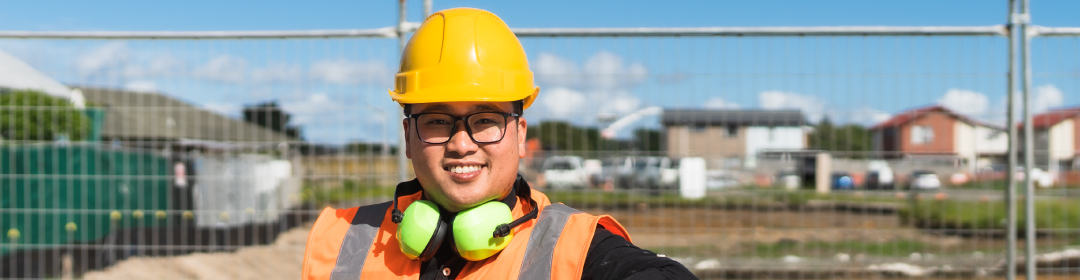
column 155, row 120
column 1057, row 139
column 939, row 131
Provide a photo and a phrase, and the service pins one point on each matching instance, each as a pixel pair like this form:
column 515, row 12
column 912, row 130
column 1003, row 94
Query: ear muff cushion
column 473, row 230
column 436, row 240
column 420, row 224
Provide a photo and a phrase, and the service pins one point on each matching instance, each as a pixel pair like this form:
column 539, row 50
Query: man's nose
column 460, row 142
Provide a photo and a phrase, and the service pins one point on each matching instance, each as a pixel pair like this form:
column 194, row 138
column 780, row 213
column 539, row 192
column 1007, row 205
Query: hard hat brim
column 478, row 93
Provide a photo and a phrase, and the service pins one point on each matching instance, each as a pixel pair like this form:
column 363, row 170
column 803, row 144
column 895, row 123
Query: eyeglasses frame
column 468, row 128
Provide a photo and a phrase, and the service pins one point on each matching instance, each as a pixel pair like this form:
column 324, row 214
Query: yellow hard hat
column 464, row 54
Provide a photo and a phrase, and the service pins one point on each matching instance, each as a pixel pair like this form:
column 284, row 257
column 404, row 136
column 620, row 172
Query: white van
column 564, row 172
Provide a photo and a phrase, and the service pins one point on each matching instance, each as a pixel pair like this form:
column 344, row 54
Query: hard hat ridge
column 464, row 54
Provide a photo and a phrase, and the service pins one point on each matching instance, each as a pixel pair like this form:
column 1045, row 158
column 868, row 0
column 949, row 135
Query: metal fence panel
column 824, row 152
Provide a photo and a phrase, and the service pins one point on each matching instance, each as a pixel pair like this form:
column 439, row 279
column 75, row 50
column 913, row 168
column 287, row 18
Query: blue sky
column 333, row 87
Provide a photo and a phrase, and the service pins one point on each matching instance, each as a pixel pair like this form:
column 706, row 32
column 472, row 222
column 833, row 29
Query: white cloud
column 1047, row 97
column 352, row 72
column 599, row 85
column 966, row 102
column 277, row 72
column 812, row 106
column 227, row 109
column 601, row 71
column 110, row 56
column 165, row 65
column 605, row 70
column 623, row 103
column 141, row 86
column 223, row 68
column 867, row 116
column 563, row 101
column 552, row 70
column 315, row 107
column 1044, row 98
column 720, row 103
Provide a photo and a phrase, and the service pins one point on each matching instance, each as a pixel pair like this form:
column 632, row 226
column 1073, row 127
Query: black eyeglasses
column 484, row 127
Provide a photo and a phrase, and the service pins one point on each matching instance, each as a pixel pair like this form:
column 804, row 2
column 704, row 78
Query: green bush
column 30, row 115
column 1049, row 214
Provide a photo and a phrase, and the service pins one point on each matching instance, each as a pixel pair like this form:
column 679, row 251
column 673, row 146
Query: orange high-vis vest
column 361, row 243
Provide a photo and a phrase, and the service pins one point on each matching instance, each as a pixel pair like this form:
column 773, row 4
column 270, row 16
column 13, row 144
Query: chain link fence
column 744, row 153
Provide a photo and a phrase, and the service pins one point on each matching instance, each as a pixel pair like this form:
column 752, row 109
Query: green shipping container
column 45, row 189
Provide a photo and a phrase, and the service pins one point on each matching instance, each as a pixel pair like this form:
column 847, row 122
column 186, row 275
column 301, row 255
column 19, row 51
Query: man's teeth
column 464, row 169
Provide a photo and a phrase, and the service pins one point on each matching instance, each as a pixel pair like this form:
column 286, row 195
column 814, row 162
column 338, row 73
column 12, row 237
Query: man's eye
column 438, row 121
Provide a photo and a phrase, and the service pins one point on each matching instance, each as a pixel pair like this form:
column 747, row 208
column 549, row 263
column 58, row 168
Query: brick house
column 938, row 131
column 1057, row 139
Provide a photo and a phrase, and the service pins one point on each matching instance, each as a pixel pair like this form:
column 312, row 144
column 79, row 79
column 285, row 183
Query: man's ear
column 405, row 127
column 523, row 129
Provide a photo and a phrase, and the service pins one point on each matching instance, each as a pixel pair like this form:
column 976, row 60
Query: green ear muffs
column 421, row 231
column 473, row 238
column 479, row 232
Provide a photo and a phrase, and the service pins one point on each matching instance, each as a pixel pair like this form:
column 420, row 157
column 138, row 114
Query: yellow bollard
column 188, row 215
column 138, row 214
column 115, row 215
column 13, row 234
column 160, row 215
column 71, row 227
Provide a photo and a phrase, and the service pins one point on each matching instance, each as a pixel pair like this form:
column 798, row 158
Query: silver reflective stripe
column 540, row 250
column 358, row 240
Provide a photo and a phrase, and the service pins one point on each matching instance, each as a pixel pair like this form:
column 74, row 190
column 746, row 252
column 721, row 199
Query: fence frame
column 1018, row 30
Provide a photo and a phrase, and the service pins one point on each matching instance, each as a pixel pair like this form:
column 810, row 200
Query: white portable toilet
column 692, row 177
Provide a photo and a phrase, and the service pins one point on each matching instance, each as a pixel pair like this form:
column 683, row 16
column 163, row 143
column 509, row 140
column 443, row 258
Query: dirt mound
column 281, row 260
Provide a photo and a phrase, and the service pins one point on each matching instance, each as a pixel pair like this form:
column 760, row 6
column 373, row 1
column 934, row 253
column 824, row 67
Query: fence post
column 402, row 176
column 1010, row 172
column 1024, row 19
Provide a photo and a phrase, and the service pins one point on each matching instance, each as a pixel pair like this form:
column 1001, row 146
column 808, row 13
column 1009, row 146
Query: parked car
column 720, row 179
column 562, row 172
column 669, row 173
column 879, row 176
column 924, row 180
column 1039, row 177
column 594, row 172
column 841, row 180
column 620, row 170
column 646, row 173
column 788, row 180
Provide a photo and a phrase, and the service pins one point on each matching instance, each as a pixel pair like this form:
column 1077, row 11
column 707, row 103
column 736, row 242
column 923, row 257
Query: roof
column 911, row 115
column 732, row 117
column 16, row 74
column 1053, row 117
column 157, row 116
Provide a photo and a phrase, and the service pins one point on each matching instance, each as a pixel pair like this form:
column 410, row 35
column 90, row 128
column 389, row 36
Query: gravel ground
column 281, row 260
column 721, row 241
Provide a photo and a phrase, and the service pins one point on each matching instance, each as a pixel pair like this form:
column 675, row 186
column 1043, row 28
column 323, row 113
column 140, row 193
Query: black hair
column 519, row 108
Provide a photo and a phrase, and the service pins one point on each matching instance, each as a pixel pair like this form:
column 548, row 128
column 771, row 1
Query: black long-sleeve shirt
column 610, row 257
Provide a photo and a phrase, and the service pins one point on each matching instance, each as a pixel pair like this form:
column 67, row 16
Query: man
column 464, row 84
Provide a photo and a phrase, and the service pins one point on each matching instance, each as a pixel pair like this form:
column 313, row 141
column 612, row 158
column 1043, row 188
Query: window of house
column 731, row 130
column 697, row 128
column 922, row 134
